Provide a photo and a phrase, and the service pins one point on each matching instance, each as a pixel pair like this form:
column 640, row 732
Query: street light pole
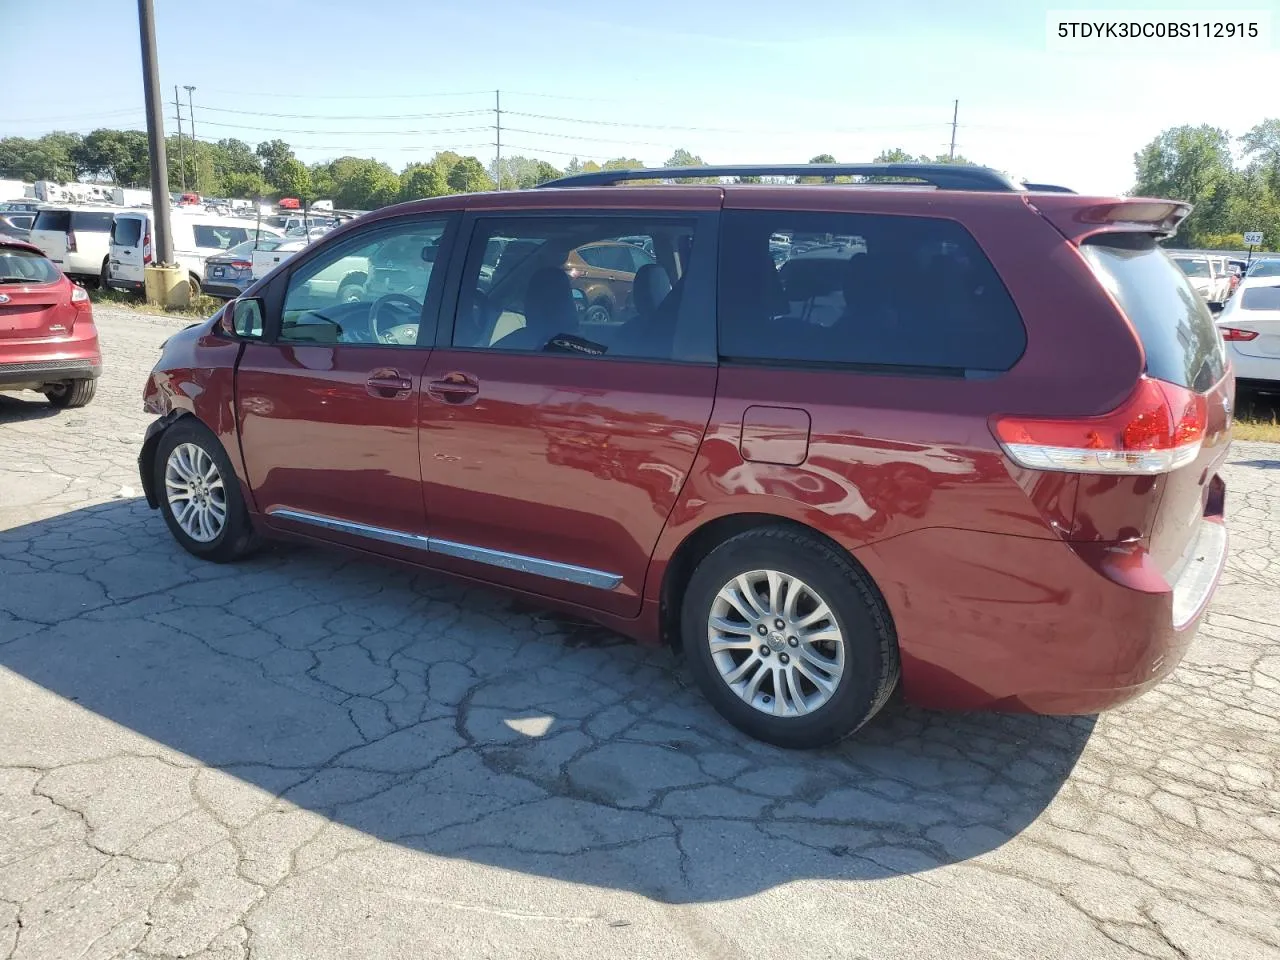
column 191, row 120
column 155, row 133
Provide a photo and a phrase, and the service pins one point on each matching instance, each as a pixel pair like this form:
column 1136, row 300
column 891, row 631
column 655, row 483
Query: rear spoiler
column 1079, row 218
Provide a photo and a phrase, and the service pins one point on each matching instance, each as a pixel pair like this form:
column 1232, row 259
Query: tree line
column 232, row 168
column 1234, row 183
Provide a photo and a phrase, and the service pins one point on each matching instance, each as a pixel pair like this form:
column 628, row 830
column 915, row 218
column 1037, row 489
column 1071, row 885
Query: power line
column 79, row 116
column 281, row 132
column 754, row 130
column 347, row 96
column 575, row 136
column 354, row 116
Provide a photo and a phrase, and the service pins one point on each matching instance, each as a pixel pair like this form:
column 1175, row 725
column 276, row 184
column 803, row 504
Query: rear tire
column 194, row 282
column 193, row 477
column 833, row 670
column 105, row 275
column 74, row 393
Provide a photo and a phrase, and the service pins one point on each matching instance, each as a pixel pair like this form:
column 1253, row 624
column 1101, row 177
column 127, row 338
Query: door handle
column 454, row 388
column 388, row 384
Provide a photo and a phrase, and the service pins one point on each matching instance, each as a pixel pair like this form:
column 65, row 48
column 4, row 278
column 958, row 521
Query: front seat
column 649, row 289
column 548, row 310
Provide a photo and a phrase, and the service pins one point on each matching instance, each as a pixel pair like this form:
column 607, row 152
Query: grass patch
column 1257, row 417
column 203, row 306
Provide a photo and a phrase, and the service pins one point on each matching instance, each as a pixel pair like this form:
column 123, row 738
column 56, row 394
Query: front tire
column 788, row 638
column 598, row 314
column 200, row 495
column 73, row 393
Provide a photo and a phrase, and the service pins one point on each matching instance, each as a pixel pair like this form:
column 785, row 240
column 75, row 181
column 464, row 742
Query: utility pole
column 191, row 118
column 182, row 160
column 155, row 133
column 955, row 116
column 497, row 129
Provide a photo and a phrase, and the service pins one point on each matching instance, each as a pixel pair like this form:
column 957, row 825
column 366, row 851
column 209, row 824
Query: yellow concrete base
column 166, row 286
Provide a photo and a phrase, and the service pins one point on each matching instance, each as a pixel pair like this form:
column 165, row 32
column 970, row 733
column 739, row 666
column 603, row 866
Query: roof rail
column 1046, row 188
column 944, row 176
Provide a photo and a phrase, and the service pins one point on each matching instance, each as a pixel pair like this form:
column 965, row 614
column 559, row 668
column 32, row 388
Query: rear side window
column 127, row 231
column 220, row 238
column 1261, row 298
column 25, row 266
column 59, row 221
column 86, row 221
column 1172, row 320
column 871, row 291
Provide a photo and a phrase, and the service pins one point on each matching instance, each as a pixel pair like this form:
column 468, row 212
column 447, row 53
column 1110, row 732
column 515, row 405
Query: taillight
column 1157, row 429
column 1231, row 333
column 146, row 248
column 71, row 242
column 242, row 264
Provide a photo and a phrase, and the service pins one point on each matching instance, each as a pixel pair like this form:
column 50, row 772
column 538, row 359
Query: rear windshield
column 1194, row 268
column 1172, row 320
column 25, row 266
column 59, row 221
column 1261, row 298
column 85, row 221
column 127, row 232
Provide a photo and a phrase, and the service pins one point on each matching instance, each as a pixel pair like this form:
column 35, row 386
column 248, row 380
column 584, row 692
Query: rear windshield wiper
column 20, row 280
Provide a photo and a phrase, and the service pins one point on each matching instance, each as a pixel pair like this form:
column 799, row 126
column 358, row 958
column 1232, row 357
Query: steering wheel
column 404, row 332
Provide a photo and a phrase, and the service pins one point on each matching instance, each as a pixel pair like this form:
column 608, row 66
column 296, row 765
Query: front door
column 553, row 449
column 328, row 407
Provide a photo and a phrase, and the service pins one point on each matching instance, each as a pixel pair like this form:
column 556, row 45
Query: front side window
column 578, row 286
column 367, row 289
column 865, row 290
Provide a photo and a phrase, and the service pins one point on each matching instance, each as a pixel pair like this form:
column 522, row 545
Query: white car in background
column 1250, row 328
column 196, row 237
column 1208, row 275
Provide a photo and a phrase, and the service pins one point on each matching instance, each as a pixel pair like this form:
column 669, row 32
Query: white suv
column 76, row 238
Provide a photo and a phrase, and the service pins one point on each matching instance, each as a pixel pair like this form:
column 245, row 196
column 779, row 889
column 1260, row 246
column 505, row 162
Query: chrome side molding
column 552, row 569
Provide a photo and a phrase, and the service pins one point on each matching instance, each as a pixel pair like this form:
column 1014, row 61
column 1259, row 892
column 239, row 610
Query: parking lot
column 314, row 756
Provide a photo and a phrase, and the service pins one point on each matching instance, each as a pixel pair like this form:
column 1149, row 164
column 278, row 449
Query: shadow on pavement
column 453, row 721
column 16, row 407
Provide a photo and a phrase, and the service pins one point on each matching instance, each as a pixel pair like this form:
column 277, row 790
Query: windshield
column 1194, row 268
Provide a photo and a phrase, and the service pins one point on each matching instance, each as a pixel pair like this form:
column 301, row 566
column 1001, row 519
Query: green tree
column 469, row 176
column 294, row 180
column 421, row 180
column 683, row 158
column 1193, row 164
column 244, row 186
column 895, row 155
column 120, row 156
column 274, row 154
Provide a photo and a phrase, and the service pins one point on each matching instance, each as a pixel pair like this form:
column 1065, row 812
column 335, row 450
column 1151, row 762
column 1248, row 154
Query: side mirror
column 242, row 319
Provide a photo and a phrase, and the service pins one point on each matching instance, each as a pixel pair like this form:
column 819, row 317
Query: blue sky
column 731, row 80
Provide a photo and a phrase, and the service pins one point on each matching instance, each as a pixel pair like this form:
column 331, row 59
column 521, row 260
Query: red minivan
column 48, row 341
column 958, row 437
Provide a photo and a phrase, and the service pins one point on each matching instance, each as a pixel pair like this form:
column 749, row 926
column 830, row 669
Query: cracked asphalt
column 313, row 756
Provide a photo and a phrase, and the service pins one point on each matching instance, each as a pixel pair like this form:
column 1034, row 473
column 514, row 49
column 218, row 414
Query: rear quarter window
column 59, row 221
column 1171, row 318
column 86, row 221
column 909, row 294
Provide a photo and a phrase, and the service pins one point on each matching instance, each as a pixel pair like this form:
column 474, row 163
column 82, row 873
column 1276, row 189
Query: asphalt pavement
column 310, row 755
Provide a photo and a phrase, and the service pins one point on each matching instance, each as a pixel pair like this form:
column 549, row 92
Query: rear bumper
column 25, row 364
column 991, row 622
column 223, row 288
column 1249, row 370
column 130, row 285
column 36, row 372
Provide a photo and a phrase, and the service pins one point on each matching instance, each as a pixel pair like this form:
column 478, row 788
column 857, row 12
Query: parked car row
column 829, row 442
column 1250, row 327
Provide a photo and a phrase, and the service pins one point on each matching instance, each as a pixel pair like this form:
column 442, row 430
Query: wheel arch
column 699, row 542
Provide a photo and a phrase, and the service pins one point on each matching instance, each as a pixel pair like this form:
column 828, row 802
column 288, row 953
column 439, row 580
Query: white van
column 196, row 237
column 76, row 238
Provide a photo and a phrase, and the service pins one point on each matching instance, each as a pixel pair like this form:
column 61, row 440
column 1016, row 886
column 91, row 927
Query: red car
column 973, row 454
column 47, row 338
